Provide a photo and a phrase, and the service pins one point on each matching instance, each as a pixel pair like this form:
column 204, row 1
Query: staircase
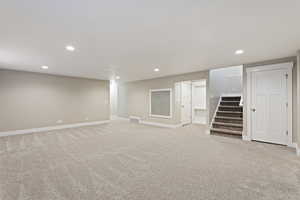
column 229, row 117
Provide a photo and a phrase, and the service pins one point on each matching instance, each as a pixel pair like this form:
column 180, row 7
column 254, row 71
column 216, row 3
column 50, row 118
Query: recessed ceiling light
column 117, row 77
column 238, row 52
column 70, row 48
column 44, row 67
column 156, row 70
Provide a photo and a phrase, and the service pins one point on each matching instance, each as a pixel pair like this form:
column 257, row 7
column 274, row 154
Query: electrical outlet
column 59, row 121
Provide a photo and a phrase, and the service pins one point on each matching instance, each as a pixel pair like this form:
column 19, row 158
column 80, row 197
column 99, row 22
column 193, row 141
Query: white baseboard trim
column 50, row 128
column 121, row 118
column 293, row 145
column 246, row 138
column 160, row 124
column 178, row 125
column 133, row 118
column 297, row 150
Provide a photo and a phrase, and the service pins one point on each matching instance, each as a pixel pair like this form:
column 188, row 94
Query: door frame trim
column 289, row 67
column 190, row 83
column 192, row 100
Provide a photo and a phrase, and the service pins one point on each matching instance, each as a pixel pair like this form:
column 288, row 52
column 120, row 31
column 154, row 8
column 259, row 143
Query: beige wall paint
column 269, row 62
column 33, row 100
column 134, row 96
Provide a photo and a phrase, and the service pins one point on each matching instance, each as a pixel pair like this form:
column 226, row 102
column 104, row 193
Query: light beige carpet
column 135, row 162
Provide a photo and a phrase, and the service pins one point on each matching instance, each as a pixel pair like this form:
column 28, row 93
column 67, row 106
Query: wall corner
column 298, row 102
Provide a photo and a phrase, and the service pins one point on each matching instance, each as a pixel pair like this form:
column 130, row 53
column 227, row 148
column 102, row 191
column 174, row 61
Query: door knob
column 253, row 109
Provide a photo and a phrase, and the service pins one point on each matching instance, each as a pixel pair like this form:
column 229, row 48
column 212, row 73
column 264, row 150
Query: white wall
column 226, row 81
column 113, row 92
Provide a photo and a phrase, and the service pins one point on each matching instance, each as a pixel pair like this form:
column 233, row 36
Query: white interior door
column 269, row 106
column 199, row 102
column 186, row 102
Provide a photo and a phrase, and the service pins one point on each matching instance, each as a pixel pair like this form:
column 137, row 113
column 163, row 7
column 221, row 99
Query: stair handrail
column 215, row 114
column 241, row 101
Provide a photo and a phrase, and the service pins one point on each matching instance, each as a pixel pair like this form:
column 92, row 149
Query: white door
column 269, row 106
column 199, row 102
column 186, row 102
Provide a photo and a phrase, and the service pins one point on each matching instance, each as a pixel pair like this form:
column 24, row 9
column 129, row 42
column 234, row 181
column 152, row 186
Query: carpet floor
column 128, row 161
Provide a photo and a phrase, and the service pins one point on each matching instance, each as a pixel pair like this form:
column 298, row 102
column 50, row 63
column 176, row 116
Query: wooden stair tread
column 231, row 101
column 228, row 124
column 226, row 131
column 228, row 119
column 233, row 118
column 222, row 106
column 231, row 112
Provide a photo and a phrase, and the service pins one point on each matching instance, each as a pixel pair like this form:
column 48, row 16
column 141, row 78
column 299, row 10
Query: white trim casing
column 246, row 138
column 295, row 145
column 290, row 105
column 289, row 67
column 231, row 95
column 248, row 112
column 51, row 128
column 171, row 103
column 160, row 124
column 193, row 84
column 161, row 116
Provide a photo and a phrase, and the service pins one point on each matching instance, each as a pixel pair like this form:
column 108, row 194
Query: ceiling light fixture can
column 238, row 52
column 70, row 48
column 44, row 67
